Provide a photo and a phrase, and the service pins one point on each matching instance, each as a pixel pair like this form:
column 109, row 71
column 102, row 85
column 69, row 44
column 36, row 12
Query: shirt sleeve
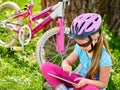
column 105, row 59
column 77, row 50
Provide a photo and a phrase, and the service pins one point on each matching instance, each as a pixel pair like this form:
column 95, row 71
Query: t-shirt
column 85, row 60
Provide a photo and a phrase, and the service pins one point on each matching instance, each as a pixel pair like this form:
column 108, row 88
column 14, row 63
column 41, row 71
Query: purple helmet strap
column 92, row 46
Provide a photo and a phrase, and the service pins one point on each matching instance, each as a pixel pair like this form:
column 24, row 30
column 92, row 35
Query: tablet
column 62, row 79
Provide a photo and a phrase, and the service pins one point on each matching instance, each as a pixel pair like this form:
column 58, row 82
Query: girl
column 92, row 51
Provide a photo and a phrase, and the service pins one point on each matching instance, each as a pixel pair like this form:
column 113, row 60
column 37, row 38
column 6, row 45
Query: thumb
column 77, row 79
column 63, row 68
column 70, row 73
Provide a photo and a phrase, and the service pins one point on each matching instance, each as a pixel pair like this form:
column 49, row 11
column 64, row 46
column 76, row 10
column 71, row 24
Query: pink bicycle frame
column 44, row 13
column 60, row 37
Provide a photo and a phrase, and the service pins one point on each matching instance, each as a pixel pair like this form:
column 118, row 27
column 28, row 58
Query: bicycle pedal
column 16, row 48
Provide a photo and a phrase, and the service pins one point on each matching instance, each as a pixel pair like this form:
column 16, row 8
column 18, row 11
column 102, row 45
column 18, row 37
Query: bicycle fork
column 60, row 38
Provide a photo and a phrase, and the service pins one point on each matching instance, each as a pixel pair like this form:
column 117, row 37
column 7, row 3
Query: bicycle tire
column 46, row 48
column 12, row 37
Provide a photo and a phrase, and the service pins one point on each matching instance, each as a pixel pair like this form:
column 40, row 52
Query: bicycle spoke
column 48, row 48
column 71, row 48
column 69, row 45
column 50, row 53
column 53, row 38
column 54, row 58
column 60, row 61
column 50, row 42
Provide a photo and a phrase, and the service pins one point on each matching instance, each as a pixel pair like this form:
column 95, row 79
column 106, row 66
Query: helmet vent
column 88, row 17
column 89, row 25
column 72, row 29
column 81, row 17
column 96, row 19
column 76, row 27
column 81, row 26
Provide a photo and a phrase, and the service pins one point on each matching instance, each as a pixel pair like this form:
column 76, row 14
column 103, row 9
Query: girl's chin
column 84, row 49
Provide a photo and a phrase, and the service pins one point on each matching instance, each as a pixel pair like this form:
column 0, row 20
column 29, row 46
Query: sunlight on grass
column 20, row 76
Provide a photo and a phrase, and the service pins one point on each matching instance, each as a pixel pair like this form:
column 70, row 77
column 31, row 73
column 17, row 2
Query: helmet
column 84, row 25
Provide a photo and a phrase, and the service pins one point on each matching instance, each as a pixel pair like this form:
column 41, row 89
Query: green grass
column 19, row 71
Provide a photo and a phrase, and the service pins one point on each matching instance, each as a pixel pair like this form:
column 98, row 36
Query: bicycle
column 54, row 45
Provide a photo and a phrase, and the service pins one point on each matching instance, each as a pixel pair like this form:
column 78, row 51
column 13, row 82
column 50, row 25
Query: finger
column 77, row 79
column 63, row 68
column 70, row 73
column 75, row 86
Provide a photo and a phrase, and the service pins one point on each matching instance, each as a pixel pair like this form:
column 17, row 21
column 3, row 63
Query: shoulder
column 104, row 53
column 78, row 50
column 105, row 58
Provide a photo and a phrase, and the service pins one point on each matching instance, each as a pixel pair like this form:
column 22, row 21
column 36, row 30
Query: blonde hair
column 102, row 42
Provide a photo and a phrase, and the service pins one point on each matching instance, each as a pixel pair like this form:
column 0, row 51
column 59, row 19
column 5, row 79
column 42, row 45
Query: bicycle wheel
column 7, row 24
column 46, row 48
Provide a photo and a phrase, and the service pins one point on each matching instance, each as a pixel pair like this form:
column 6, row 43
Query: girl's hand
column 67, row 68
column 82, row 82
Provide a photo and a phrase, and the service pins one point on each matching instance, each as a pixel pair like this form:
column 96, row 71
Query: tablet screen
column 61, row 79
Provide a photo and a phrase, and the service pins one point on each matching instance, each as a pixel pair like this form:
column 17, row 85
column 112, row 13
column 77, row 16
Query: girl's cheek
column 86, row 48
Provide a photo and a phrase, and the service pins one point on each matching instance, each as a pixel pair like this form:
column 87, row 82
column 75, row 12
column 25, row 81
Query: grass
column 19, row 71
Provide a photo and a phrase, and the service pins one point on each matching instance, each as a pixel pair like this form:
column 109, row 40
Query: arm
column 103, row 79
column 101, row 83
column 68, row 62
column 71, row 59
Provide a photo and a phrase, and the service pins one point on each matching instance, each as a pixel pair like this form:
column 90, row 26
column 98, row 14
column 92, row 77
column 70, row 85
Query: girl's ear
column 95, row 40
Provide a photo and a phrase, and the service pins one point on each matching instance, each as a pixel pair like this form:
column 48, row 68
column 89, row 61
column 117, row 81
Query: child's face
column 85, row 43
